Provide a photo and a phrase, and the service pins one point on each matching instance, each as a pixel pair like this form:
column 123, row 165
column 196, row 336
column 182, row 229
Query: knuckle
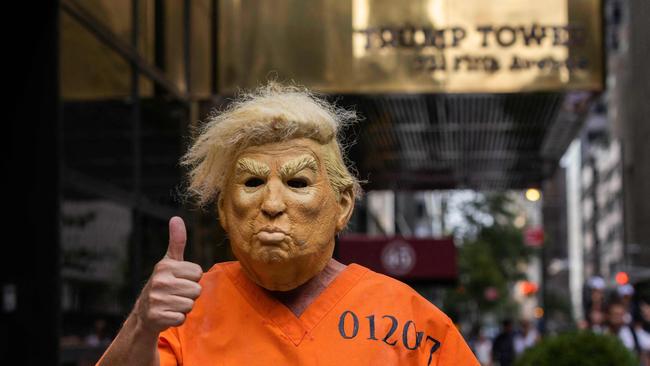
column 161, row 283
column 155, row 280
column 156, row 283
column 161, row 266
column 152, row 316
column 193, row 271
column 156, row 299
column 197, row 269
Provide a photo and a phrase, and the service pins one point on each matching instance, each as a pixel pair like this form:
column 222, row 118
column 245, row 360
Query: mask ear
column 346, row 206
column 221, row 212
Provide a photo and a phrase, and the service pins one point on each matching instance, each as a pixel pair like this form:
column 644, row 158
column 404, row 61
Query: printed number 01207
column 411, row 342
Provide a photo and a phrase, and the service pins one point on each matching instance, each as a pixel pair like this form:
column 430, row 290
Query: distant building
column 601, row 199
column 628, row 84
column 607, row 168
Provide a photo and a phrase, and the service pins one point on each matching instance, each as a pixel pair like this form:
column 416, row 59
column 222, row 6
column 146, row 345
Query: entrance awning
column 478, row 141
column 408, row 259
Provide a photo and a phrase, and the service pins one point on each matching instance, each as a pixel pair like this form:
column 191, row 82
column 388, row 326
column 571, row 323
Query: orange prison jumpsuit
column 361, row 318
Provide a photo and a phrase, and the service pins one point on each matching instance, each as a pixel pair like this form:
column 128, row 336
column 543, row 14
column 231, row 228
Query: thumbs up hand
column 173, row 286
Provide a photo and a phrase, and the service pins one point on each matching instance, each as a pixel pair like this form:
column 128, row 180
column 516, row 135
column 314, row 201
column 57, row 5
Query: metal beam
column 446, row 156
column 135, row 255
column 466, row 127
column 105, row 35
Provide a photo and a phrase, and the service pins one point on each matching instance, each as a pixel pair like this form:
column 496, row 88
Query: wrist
column 140, row 328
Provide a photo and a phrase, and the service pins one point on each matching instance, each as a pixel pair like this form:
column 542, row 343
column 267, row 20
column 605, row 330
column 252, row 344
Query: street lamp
column 533, row 194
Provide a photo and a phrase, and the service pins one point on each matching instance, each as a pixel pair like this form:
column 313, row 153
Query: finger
column 186, row 288
column 179, row 304
column 187, row 270
column 172, row 318
column 177, row 239
column 161, row 286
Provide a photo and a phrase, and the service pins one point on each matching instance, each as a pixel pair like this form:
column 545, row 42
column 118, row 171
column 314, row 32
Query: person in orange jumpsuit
column 274, row 168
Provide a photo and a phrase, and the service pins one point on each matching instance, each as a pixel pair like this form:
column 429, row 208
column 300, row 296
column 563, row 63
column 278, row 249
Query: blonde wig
column 271, row 113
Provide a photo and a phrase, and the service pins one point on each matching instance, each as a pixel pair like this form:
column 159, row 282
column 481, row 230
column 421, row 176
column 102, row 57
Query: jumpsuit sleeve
column 454, row 351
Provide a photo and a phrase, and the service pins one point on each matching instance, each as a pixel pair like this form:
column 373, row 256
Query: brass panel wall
column 200, row 47
column 89, row 69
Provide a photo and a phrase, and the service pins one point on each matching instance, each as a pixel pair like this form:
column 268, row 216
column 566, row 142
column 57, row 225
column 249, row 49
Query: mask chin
column 283, row 287
column 287, row 275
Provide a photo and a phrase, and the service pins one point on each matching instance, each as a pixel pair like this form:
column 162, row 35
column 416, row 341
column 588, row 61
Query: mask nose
column 273, row 204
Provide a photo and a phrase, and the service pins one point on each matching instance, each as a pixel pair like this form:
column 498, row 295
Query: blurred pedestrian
column 596, row 321
column 526, row 337
column 644, row 321
column 644, row 314
column 422, row 227
column 625, row 294
column 503, row 347
column 99, row 337
column 595, row 294
column 594, row 305
column 481, row 344
column 632, row 336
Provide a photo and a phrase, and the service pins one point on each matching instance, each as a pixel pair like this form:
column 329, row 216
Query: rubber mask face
column 281, row 213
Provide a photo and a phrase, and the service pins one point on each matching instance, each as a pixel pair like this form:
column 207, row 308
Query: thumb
column 177, row 239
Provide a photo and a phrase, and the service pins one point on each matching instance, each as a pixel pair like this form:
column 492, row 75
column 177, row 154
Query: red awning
column 403, row 258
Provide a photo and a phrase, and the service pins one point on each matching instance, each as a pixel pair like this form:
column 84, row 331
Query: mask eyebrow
column 293, row 167
column 252, row 167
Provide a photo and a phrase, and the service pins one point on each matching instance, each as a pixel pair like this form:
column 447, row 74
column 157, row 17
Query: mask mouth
column 272, row 229
column 271, row 237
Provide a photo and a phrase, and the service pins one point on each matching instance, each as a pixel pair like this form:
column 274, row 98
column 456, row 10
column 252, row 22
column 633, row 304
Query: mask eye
column 253, row 182
column 297, row 183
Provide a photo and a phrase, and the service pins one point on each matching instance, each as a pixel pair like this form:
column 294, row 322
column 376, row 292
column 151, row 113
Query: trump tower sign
column 387, row 46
